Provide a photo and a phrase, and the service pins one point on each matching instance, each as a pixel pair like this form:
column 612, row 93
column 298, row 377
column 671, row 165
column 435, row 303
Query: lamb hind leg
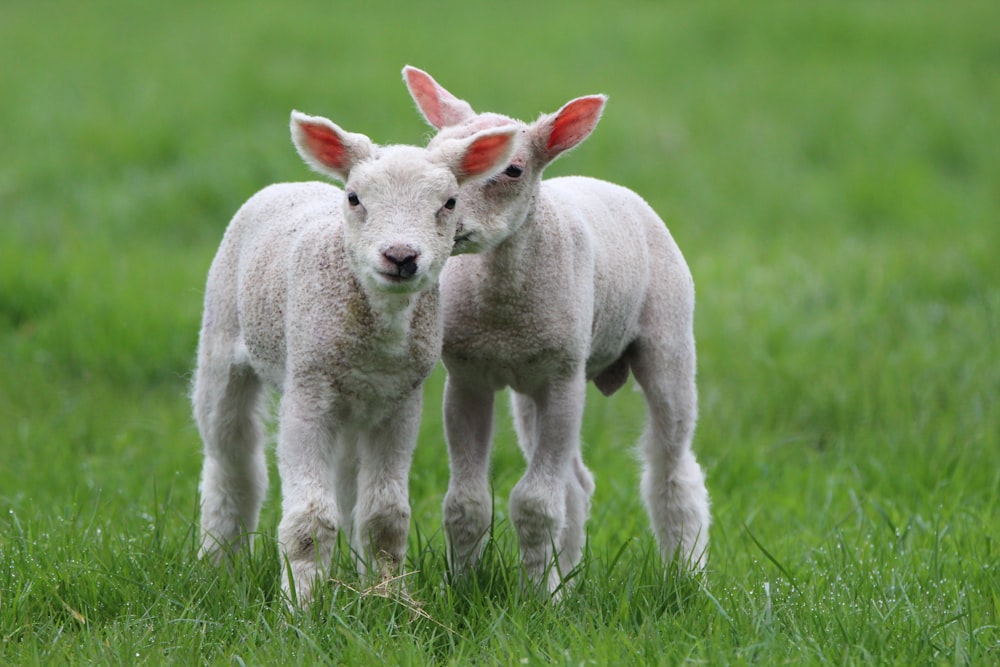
column 673, row 484
column 228, row 409
column 579, row 489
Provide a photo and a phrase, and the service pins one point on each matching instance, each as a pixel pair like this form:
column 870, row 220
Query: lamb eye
column 450, row 204
column 352, row 198
column 513, row 171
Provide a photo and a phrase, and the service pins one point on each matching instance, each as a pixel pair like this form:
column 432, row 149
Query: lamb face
column 399, row 215
column 495, row 209
column 492, row 210
column 399, row 201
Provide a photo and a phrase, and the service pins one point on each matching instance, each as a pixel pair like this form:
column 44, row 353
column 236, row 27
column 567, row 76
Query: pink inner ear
column 431, row 107
column 484, row 153
column 325, row 145
column 423, row 94
column 574, row 123
column 440, row 108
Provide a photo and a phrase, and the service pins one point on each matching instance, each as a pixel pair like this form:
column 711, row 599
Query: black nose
column 404, row 258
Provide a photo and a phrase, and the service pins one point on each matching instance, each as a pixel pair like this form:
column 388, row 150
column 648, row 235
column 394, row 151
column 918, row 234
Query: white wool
column 332, row 298
column 575, row 280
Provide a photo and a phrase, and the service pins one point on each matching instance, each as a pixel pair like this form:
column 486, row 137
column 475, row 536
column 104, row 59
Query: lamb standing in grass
column 577, row 279
column 332, row 299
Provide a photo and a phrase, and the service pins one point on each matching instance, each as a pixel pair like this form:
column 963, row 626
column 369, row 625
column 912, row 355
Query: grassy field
column 832, row 172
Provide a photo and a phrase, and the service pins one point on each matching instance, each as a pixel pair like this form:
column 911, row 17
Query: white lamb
column 334, row 301
column 574, row 279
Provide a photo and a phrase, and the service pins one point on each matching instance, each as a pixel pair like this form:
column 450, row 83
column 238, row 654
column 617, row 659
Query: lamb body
column 332, row 299
column 574, row 279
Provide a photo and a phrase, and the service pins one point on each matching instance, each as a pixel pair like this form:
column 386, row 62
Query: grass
column 831, row 171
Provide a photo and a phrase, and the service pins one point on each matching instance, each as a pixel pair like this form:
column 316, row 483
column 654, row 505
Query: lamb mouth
column 391, row 283
column 396, row 278
column 462, row 238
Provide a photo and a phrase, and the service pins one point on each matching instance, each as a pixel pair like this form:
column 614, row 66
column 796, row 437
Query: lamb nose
column 405, row 259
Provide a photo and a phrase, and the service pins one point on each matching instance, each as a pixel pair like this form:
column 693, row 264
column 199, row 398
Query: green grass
column 832, row 172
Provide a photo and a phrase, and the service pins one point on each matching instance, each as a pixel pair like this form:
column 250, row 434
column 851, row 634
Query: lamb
column 333, row 300
column 574, row 279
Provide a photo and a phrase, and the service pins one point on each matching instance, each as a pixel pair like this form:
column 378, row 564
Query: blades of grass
column 767, row 554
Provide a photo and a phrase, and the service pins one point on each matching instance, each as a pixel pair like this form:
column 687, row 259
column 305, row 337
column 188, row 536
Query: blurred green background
column 831, row 171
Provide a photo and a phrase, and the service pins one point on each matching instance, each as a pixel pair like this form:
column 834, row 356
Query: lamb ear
column 480, row 156
column 327, row 148
column 557, row 133
column 439, row 107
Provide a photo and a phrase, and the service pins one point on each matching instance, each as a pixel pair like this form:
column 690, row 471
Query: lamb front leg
column 310, row 515
column 468, row 505
column 548, row 506
column 382, row 513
